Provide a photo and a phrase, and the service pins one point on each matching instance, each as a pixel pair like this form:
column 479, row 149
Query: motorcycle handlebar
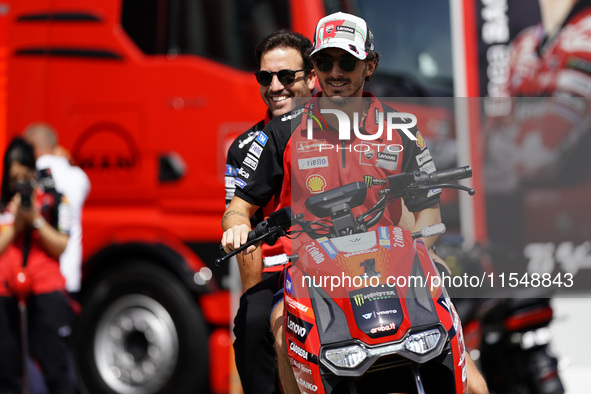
column 453, row 174
column 419, row 180
column 261, row 229
column 268, row 231
column 280, row 221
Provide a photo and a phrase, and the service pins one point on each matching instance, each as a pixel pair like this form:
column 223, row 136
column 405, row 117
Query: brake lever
column 228, row 256
column 416, row 189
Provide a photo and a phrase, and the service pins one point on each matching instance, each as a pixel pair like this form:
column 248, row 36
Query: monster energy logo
column 373, row 296
column 370, row 181
column 359, row 299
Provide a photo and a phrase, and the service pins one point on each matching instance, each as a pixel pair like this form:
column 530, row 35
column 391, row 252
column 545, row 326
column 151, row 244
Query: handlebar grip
column 453, row 174
column 279, row 219
column 267, row 231
column 260, row 229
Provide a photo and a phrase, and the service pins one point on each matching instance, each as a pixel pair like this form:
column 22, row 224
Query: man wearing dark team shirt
column 284, row 73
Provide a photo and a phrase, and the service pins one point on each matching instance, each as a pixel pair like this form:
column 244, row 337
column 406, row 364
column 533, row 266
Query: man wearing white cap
column 344, row 58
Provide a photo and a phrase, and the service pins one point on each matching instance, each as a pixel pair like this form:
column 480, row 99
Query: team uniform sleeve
column 416, row 157
column 262, row 174
column 235, row 156
column 234, row 159
column 231, row 170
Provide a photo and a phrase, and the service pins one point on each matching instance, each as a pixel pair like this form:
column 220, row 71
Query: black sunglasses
column 286, row 77
column 325, row 63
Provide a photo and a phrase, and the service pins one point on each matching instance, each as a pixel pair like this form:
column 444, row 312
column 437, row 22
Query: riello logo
column 394, row 121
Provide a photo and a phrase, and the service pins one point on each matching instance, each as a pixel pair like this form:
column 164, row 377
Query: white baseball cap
column 344, row 31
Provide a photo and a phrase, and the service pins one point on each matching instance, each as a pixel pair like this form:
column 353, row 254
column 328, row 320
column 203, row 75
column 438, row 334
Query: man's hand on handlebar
column 236, row 236
column 236, row 225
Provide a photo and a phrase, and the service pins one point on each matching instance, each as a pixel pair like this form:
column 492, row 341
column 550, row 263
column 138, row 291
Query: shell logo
column 316, row 183
column 420, row 141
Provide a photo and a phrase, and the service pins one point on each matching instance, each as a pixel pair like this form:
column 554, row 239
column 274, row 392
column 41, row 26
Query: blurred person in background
column 34, row 227
column 284, row 73
column 550, row 59
column 537, row 146
column 72, row 182
column 553, row 57
column 541, row 142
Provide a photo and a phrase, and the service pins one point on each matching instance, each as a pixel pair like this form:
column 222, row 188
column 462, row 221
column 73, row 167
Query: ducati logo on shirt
column 251, row 136
column 366, row 154
column 316, row 183
column 385, row 157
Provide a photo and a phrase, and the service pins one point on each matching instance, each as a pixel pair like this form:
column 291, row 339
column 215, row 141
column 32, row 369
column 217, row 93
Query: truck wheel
column 140, row 332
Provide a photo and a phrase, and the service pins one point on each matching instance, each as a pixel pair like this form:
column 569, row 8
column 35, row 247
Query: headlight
column 422, row 342
column 352, row 356
column 346, row 357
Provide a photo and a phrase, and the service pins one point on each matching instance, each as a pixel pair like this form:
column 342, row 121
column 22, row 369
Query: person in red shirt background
column 34, row 227
column 551, row 60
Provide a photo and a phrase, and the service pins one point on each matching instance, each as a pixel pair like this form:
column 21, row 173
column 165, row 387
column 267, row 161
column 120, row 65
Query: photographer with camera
column 34, row 227
column 73, row 183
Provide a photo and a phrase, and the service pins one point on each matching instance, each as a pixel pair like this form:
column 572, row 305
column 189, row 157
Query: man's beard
column 339, row 101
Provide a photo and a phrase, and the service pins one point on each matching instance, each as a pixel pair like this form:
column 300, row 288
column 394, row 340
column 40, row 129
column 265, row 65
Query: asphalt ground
column 571, row 342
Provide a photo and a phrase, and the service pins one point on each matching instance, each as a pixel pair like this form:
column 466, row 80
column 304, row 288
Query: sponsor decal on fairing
column 315, row 253
column 328, row 247
column 384, row 237
column 304, row 354
column 297, row 327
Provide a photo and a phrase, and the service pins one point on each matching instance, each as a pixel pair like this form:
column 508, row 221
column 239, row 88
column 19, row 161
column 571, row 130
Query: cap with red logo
column 344, row 31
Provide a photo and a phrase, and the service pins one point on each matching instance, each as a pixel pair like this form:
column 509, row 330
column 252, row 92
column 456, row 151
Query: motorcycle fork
column 418, row 381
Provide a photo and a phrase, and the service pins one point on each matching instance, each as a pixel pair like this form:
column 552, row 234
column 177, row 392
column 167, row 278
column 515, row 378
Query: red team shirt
column 542, row 133
column 557, row 65
column 283, row 159
column 42, row 270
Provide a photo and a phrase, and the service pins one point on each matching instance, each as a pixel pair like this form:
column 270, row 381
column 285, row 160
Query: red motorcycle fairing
column 375, row 289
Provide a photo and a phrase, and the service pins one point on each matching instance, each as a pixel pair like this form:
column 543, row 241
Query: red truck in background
column 147, row 95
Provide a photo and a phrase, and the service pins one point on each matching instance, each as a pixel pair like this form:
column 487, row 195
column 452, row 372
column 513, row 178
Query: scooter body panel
column 374, row 289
